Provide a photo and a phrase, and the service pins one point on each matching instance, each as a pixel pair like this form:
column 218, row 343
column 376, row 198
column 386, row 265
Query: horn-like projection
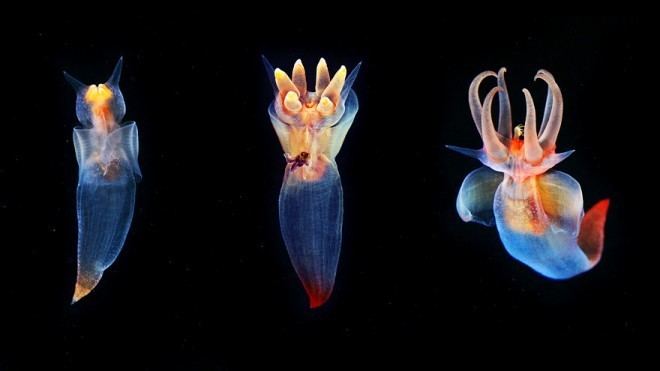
column 116, row 73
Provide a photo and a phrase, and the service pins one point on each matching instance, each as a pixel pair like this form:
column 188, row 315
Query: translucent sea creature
column 108, row 171
column 538, row 213
column 311, row 127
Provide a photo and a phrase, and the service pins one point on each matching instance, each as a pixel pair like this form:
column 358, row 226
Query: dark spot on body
column 299, row 160
column 111, row 170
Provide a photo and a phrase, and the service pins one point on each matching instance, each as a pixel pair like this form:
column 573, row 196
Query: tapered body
column 108, row 171
column 311, row 217
column 311, row 127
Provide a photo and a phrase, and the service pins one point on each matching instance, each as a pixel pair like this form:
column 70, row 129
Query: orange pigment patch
column 300, row 140
column 306, row 139
column 516, row 147
column 323, row 139
column 309, row 115
column 101, row 112
column 523, row 216
column 100, row 94
column 311, row 172
column 552, row 198
column 110, row 170
column 81, row 292
column 84, row 285
column 98, row 98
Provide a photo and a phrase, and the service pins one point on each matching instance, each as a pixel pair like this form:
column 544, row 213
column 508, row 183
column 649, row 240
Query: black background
column 204, row 281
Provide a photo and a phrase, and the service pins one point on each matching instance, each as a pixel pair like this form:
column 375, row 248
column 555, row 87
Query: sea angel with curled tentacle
column 311, row 127
column 108, row 170
column 538, row 213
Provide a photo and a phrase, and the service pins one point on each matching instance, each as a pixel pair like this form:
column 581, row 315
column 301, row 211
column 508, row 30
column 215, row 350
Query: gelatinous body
column 108, row 171
column 311, row 127
column 538, row 212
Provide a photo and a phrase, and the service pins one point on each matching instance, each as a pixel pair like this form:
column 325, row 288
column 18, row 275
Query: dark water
column 204, row 281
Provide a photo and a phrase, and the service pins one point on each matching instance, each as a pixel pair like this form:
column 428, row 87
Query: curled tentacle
column 550, row 131
column 492, row 145
column 533, row 150
column 504, row 122
column 473, row 97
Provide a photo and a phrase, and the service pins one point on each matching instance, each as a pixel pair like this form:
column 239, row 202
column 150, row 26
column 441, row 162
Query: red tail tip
column 601, row 206
column 317, row 296
column 592, row 231
column 315, row 302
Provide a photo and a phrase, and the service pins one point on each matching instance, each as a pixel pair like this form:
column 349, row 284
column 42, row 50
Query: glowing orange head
column 100, row 106
column 308, row 108
column 305, row 119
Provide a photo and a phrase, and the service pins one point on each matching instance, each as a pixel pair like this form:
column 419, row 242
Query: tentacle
column 473, row 97
column 504, row 123
column 551, row 130
column 494, row 148
column 533, row 150
column 546, row 111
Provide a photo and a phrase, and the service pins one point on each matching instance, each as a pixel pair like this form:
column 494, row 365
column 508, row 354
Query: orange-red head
column 522, row 151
